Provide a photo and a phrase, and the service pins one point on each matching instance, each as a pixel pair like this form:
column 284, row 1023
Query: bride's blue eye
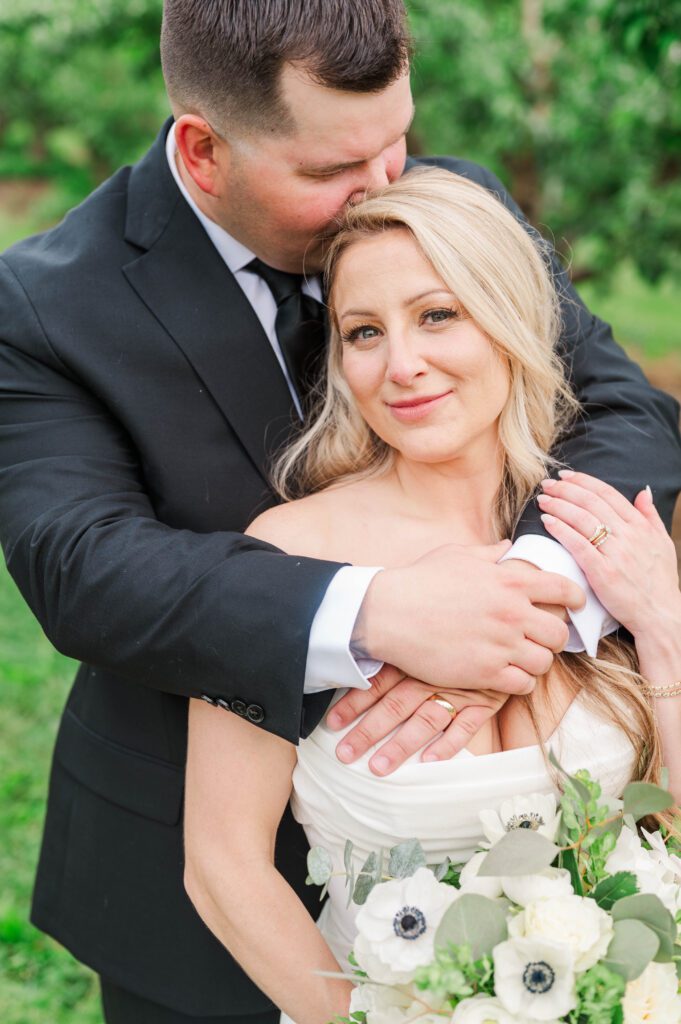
column 440, row 316
column 364, row 332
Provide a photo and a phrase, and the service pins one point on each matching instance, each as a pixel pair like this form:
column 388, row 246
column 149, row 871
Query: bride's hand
column 397, row 700
column 634, row 571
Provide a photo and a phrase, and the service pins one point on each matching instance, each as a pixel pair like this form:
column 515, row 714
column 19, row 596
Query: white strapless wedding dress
column 436, row 802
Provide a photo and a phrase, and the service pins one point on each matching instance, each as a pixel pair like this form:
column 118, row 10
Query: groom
column 149, row 368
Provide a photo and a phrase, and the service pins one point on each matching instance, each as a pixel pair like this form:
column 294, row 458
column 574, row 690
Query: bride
column 443, row 397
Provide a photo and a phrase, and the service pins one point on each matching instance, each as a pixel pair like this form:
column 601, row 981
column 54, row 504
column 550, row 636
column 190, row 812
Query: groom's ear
column 202, row 151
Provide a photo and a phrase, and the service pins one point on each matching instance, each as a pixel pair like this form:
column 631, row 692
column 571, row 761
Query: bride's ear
column 204, row 154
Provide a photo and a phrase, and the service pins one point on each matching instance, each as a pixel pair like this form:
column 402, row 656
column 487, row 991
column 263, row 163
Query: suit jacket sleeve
column 183, row 612
column 628, row 433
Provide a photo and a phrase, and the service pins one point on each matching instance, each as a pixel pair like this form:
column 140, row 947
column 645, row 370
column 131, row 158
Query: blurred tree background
column 575, row 104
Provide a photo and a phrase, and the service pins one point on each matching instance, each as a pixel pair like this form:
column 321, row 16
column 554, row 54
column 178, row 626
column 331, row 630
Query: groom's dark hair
column 223, row 58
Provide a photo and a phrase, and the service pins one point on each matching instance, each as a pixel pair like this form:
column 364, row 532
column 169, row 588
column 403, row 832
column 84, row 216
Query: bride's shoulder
column 308, row 526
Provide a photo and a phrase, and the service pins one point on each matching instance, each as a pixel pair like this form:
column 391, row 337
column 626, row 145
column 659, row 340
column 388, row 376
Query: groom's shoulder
column 90, row 235
column 466, row 168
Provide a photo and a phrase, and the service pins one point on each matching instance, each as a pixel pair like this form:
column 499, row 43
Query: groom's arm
column 111, row 585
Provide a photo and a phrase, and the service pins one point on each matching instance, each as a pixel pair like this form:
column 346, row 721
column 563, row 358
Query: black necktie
column 299, row 326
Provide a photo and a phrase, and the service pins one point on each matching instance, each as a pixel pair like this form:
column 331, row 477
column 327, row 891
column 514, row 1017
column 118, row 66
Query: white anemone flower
column 397, row 924
column 534, row 978
column 385, row 1004
column 483, row 1009
column 547, row 884
column 653, row 997
column 470, row 881
column 536, row 811
column 576, row 920
column 655, row 870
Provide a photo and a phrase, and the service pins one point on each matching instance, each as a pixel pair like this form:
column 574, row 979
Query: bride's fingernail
column 548, row 482
column 543, row 499
column 649, row 492
column 345, row 752
column 566, row 473
column 334, row 720
column 545, row 518
column 380, row 764
column 430, row 757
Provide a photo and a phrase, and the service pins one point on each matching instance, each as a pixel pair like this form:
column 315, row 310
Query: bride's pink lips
column 416, row 408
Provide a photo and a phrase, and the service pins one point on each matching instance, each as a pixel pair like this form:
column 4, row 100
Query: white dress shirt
column 330, row 661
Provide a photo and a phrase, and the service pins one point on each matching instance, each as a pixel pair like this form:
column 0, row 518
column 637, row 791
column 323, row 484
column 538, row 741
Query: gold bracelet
column 670, row 690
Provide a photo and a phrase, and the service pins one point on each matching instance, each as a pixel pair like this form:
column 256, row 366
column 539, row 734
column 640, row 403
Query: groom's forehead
column 335, row 129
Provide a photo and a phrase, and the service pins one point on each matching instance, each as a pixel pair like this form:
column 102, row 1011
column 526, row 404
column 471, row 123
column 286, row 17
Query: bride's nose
column 405, row 360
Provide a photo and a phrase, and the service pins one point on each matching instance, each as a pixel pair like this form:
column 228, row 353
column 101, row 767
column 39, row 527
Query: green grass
column 40, row 983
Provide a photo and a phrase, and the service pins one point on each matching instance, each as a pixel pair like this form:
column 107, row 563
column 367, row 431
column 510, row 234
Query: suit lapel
column 187, row 286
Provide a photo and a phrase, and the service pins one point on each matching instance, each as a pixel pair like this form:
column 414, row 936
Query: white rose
column 653, row 997
column 534, row 978
column 397, row 924
column 574, row 920
column 536, row 812
column 548, row 884
column 654, row 870
column 393, row 1005
column 470, row 882
column 483, row 1010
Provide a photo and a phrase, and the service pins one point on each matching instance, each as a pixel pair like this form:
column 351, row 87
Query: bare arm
column 237, row 787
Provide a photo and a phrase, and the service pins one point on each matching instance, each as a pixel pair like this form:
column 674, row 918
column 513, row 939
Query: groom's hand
column 397, row 700
column 456, row 618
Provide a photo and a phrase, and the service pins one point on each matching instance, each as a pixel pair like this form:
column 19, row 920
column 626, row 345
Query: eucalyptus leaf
column 642, row 798
column 378, row 873
column 631, row 949
column 649, row 910
column 406, row 858
column 319, row 865
column 520, row 852
column 475, row 921
column 630, row 822
column 347, row 855
column 365, row 880
column 349, row 869
column 615, row 888
column 440, row 870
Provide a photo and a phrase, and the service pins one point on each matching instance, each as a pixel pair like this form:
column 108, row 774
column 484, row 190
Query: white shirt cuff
column 591, row 622
column 330, row 661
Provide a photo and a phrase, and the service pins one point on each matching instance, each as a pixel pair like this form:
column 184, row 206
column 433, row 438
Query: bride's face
column 425, row 378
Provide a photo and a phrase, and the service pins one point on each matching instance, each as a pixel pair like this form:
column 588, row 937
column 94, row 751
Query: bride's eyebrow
column 407, row 302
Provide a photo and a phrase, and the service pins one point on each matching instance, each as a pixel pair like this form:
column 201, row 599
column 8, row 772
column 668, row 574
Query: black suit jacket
column 140, row 403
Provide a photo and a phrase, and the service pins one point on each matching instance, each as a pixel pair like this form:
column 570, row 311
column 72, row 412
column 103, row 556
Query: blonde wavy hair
column 501, row 276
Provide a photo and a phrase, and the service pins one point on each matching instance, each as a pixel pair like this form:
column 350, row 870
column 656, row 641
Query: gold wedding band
column 600, row 535
column 444, row 703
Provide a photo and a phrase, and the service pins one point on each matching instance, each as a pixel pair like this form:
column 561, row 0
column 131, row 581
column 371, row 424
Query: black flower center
column 409, row 923
column 530, row 820
column 538, row 977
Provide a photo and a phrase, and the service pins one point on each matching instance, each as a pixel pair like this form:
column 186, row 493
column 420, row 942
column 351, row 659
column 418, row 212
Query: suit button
column 254, row 713
column 209, row 700
column 224, row 704
column 239, row 708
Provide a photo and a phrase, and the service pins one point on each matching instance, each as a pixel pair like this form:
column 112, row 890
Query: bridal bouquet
column 568, row 914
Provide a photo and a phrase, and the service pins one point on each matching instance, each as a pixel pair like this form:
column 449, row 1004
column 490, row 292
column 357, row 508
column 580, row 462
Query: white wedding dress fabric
column 435, row 802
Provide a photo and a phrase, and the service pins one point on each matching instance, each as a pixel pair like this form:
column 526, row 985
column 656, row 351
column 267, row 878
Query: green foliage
column 576, row 104
column 456, row 974
column 81, row 87
column 599, row 991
